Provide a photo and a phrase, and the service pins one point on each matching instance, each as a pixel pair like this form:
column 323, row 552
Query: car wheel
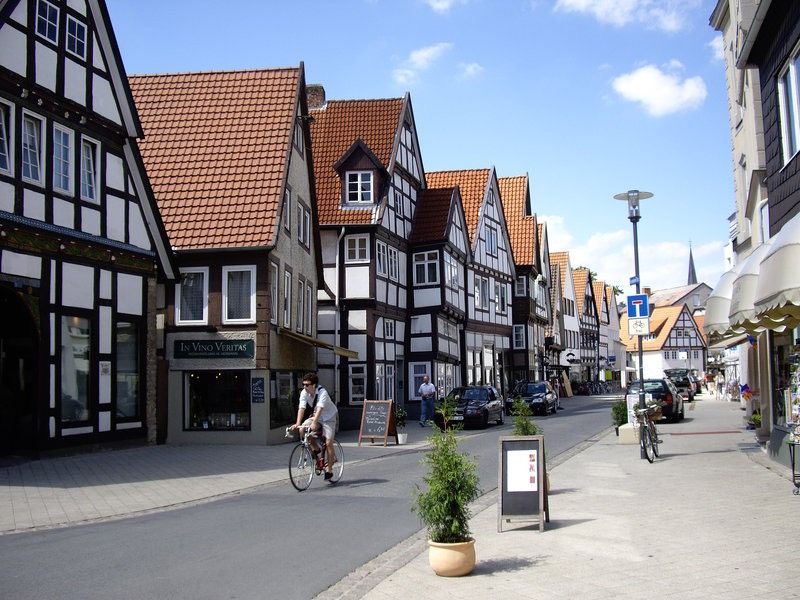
column 502, row 419
column 554, row 409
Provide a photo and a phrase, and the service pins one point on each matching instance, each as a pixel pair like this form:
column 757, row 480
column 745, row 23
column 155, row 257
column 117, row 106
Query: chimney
column 315, row 94
column 646, row 291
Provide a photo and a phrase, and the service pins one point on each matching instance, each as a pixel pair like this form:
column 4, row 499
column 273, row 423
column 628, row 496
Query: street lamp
column 632, row 197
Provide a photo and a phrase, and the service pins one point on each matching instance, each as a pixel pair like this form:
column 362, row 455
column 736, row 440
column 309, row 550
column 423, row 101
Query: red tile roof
column 336, row 126
column 431, row 216
column 599, row 288
column 580, row 277
column 472, row 185
column 215, row 150
column 522, row 228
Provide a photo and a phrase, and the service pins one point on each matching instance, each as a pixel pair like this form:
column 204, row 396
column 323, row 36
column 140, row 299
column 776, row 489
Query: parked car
column 663, row 390
column 475, row 405
column 682, row 380
column 539, row 395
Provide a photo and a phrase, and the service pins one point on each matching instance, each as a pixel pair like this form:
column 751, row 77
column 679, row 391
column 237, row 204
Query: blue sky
column 589, row 97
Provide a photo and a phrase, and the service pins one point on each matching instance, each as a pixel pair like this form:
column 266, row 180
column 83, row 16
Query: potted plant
column 619, row 414
column 755, row 421
column 400, row 416
column 443, row 507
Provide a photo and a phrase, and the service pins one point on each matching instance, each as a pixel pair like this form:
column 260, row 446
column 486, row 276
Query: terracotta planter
column 452, row 560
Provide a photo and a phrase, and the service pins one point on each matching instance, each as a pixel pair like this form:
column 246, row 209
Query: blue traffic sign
column 638, row 306
column 634, row 280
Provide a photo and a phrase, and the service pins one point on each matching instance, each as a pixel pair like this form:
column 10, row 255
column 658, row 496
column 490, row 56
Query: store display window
column 217, row 400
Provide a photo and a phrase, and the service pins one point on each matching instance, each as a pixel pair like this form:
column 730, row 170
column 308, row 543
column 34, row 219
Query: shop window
column 358, row 383
column 217, row 400
column 76, row 336
column 127, row 384
column 191, row 297
column 283, row 408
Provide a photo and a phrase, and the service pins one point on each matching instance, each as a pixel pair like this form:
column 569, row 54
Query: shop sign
column 214, row 349
column 257, row 390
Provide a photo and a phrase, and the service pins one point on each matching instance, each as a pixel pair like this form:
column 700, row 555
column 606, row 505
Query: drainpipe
column 338, row 316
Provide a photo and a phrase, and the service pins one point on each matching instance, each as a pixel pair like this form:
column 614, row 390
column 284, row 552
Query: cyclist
column 324, row 415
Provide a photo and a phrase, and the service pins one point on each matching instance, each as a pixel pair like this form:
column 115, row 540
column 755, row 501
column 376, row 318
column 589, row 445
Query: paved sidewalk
column 712, row 518
column 55, row 492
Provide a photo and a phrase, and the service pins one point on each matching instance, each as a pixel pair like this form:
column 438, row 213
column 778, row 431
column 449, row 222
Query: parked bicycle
column 648, row 434
column 303, row 466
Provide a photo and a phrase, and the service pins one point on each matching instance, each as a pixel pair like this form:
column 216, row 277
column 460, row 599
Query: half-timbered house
column 81, row 240
column 229, row 158
column 570, row 355
column 674, row 341
column 530, row 311
column 440, row 251
column 589, row 325
column 603, row 321
column 369, row 174
column 555, row 333
column 616, row 349
column 490, row 276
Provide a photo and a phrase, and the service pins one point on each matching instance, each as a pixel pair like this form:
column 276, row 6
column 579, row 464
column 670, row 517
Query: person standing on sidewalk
column 428, row 393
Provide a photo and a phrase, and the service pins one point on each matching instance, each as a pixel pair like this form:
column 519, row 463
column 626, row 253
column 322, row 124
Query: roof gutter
column 743, row 60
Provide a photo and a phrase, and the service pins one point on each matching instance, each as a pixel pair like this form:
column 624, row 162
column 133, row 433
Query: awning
column 718, row 304
column 311, row 341
column 742, row 314
column 777, row 296
column 728, row 342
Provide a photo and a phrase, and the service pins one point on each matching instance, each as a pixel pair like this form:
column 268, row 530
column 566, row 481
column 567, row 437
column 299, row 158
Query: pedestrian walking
column 428, row 393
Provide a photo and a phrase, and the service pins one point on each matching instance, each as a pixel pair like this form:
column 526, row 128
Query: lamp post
column 632, row 197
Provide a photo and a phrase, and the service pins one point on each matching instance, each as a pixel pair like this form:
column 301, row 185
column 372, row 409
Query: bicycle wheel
column 338, row 466
column 301, row 467
column 654, row 437
column 647, row 443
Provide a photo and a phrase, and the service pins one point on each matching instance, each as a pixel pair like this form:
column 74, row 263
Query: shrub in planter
column 756, row 420
column 400, row 416
column 619, row 413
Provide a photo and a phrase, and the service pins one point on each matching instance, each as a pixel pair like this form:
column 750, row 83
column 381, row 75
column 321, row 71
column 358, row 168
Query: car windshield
column 535, row 388
column 474, row 394
column 649, row 386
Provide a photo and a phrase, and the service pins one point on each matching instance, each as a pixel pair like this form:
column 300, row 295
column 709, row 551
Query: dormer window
column 359, row 187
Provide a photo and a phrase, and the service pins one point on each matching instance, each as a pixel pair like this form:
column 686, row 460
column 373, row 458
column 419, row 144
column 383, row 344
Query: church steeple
column 692, row 274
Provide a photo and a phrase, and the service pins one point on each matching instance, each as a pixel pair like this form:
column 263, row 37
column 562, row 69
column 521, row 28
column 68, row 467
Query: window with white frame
column 380, row 382
column 380, row 258
column 356, row 249
column 359, row 187
column 62, row 159
column 418, row 371
column 519, row 337
column 500, row 297
column 191, row 297
column 309, row 308
column 287, row 299
column 451, row 271
column 481, row 292
column 789, row 105
column 520, row 286
column 388, row 329
column 763, row 211
column 47, row 21
column 32, row 148
column 239, row 294
column 695, row 354
column 666, row 354
column 300, row 299
column 273, row 292
column 303, row 224
column 89, row 161
column 76, row 37
column 674, row 354
column 393, row 264
column 390, row 379
column 426, row 268
column 287, row 210
column 358, row 383
column 5, row 138
column 491, row 240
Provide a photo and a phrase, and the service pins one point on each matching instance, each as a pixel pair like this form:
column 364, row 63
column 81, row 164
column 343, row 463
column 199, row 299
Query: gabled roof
column 555, row 289
column 662, row 321
column 671, row 296
column 700, row 321
column 599, row 288
column 335, row 128
column 580, row 277
column 216, row 148
column 431, row 219
column 612, row 307
column 561, row 260
column 522, row 228
column 472, row 184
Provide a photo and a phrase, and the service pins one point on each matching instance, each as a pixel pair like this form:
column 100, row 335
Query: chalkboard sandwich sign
column 378, row 421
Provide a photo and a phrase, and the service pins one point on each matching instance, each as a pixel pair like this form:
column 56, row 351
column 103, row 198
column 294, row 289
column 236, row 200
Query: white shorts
column 328, row 427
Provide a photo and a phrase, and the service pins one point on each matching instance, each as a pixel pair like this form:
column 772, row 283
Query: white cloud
column 418, row 60
column 662, row 265
column 661, row 92
column 666, row 15
column 443, row 6
column 717, row 45
column 471, row 70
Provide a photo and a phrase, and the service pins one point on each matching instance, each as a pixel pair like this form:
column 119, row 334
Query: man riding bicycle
column 324, row 416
